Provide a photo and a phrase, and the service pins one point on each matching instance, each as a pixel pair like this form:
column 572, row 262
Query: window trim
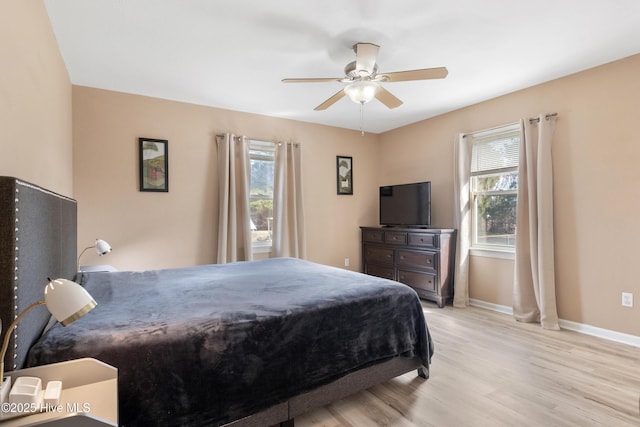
column 264, row 247
column 475, row 248
column 261, row 247
column 493, row 252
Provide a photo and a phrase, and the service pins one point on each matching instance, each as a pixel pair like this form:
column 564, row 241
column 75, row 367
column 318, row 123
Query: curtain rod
column 221, row 135
column 547, row 117
column 531, row 120
column 237, row 137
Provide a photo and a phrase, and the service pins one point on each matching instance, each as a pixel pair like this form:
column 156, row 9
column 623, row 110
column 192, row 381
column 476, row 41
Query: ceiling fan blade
column 313, row 80
column 366, row 56
column 387, row 98
column 423, row 74
column 329, row 102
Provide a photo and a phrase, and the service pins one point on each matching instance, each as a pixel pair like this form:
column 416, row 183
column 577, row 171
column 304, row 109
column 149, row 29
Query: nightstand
column 89, row 395
column 96, row 268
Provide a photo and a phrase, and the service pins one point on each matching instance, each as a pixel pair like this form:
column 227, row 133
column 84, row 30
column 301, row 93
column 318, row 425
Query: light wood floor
column 489, row 370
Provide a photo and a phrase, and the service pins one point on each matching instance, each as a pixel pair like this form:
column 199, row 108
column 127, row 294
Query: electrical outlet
column 347, row 262
column 627, row 299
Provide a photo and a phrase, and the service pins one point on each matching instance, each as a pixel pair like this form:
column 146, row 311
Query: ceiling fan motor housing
column 352, row 72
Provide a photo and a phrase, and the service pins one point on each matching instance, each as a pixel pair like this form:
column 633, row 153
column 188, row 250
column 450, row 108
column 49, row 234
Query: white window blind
column 495, row 151
column 494, row 187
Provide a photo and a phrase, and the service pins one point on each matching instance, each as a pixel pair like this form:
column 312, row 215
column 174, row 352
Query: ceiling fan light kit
column 363, row 81
column 361, row 91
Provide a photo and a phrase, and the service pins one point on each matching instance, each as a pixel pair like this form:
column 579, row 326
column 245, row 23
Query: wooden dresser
column 421, row 258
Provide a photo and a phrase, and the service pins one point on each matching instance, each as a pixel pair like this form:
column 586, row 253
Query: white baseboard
column 569, row 325
column 490, row 306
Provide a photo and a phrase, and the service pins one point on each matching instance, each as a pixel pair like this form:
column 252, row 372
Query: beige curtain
column 462, row 217
column 234, row 174
column 288, row 212
column 534, row 297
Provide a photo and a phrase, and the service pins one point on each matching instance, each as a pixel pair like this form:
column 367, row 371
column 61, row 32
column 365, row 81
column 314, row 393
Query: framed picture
column 154, row 164
column 344, row 170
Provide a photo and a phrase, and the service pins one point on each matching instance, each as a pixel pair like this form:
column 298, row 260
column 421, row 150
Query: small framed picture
column 154, row 164
column 344, row 169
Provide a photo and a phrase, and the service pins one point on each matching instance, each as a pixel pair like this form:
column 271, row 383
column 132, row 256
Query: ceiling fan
column 363, row 83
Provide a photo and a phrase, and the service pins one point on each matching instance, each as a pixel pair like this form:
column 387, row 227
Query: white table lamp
column 101, row 246
column 67, row 301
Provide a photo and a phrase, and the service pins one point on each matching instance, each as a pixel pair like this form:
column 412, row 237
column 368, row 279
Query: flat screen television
column 406, row 205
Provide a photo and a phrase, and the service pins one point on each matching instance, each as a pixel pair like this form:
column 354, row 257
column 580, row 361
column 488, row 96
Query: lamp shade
column 67, row 301
column 102, row 247
column 361, row 92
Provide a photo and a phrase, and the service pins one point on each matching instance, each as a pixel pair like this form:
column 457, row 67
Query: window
column 262, row 157
column 494, row 188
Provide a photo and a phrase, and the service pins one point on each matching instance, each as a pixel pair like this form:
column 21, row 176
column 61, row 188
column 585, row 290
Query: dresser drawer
column 417, row 259
column 374, row 236
column 420, row 281
column 395, row 237
column 423, row 240
column 378, row 254
column 379, row 271
column 421, row 258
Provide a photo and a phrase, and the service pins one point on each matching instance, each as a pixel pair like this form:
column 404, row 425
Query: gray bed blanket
column 206, row 345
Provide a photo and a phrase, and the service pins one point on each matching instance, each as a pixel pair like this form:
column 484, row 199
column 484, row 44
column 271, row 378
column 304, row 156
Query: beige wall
column 595, row 164
column 595, row 154
column 178, row 228
column 35, row 99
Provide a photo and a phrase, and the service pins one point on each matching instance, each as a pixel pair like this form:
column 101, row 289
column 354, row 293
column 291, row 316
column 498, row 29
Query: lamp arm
column 7, row 337
column 82, row 253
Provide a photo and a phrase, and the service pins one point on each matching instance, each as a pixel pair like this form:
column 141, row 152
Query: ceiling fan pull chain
column 361, row 118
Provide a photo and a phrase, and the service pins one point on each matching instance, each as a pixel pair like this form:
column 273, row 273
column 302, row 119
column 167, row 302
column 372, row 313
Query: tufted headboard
column 38, row 239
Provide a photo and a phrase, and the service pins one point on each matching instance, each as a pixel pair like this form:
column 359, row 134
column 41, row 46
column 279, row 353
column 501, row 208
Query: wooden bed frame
column 38, row 239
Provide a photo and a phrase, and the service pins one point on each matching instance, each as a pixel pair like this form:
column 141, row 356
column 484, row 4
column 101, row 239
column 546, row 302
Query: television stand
column 423, row 258
column 413, row 227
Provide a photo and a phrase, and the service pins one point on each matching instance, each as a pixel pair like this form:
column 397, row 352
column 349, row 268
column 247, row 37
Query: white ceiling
column 234, row 54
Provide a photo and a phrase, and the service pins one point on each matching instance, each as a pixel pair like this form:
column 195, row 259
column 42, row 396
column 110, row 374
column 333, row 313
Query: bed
column 250, row 343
